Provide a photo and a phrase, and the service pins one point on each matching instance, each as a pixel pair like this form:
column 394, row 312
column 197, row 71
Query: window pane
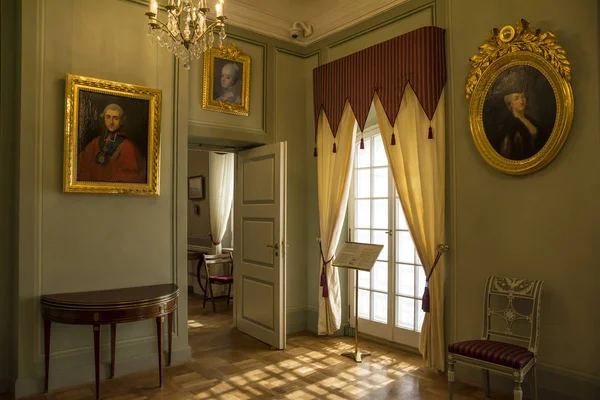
column 420, row 281
column 405, row 248
column 405, row 279
column 380, row 214
column 381, row 237
column 379, row 156
column 363, row 183
column 363, row 157
column 380, row 276
column 400, row 219
column 364, row 280
column 380, row 306
column 420, row 316
column 417, row 259
column 364, row 303
column 362, row 236
column 380, row 182
column 362, row 216
column 405, row 313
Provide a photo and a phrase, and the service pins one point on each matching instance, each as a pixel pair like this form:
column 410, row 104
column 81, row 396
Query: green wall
column 8, row 220
column 79, row 242
column 539, row 226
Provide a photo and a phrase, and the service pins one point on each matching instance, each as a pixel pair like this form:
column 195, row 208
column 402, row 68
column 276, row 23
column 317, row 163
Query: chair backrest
column 501, row 296
column 225, row 259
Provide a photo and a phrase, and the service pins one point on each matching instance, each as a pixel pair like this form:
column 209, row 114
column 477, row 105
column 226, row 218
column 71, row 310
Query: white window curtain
column 334, row 178
column 220, row 195
column 418, row 164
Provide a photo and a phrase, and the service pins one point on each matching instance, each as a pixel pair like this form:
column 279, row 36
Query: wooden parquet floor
column 227, row 364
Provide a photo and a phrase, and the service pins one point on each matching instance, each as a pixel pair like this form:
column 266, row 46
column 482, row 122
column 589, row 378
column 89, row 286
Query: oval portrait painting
column 519, row 112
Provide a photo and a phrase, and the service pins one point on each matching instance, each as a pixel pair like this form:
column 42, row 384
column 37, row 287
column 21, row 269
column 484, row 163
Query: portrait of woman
column 227, row 85
column 519, row 112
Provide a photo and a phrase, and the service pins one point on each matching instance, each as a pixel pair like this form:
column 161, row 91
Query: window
column 376, row 216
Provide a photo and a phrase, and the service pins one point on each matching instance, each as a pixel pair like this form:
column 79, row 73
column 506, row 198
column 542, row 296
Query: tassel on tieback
column 430, row 136
column 315, row 152
column 393, row 139
column 362, row 144
column 334, row 148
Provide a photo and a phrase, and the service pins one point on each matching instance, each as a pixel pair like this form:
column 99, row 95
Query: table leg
column 97, row 358
column 47, row 326
column 159, row 336
column 113, row 345
column 170, row 335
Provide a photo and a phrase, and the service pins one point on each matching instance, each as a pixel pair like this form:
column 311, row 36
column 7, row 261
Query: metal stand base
column 356, row 356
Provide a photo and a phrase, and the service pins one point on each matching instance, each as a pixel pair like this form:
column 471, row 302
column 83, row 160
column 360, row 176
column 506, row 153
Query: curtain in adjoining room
column 417, row 163
column 220, row 195
column 405, row 77
column 334, row 169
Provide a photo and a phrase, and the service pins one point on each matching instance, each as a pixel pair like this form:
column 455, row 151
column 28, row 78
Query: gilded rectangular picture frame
column 99, row 100
column 209, row 102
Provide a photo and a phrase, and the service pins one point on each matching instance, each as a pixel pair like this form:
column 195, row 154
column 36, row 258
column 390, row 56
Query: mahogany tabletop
column 129, row 296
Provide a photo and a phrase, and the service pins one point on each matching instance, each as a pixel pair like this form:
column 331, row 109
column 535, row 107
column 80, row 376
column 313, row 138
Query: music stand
column 359, row 257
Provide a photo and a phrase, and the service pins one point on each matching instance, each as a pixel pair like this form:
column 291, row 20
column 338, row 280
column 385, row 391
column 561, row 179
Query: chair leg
column 533, row 382
column 486, row 382
column 212, row 297
column 228, row 295
column 518, row 391
column 205, row 291
column 450, row 378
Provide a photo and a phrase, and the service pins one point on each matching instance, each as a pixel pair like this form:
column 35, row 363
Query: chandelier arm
column 164, row 28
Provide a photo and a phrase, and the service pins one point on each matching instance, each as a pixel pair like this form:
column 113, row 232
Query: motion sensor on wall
column 300, row 29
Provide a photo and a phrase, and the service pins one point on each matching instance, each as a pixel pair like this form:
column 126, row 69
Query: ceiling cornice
column 325, row 22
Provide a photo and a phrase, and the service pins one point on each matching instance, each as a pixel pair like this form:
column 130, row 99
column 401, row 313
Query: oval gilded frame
column 505, row 49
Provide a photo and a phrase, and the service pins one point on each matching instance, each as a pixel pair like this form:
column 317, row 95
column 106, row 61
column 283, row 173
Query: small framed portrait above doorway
column 521, row 101
column 226, row 83
column 112, row 137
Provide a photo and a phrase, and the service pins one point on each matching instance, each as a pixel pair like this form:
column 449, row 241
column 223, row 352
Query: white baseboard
column 76, row 367
column 554, row 383
column 295, row 320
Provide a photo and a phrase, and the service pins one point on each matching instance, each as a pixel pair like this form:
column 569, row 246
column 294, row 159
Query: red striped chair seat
column 220, row 279
column 506, row 354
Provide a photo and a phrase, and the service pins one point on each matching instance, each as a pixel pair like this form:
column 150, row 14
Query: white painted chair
column 504, row 356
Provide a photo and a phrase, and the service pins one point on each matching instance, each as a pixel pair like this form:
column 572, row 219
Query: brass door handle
column 274, row 246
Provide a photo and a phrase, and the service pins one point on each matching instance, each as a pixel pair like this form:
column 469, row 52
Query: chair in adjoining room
column 224, row 277
column 514, row 352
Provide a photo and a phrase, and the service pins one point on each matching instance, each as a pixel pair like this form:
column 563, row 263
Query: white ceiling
column 275, row 17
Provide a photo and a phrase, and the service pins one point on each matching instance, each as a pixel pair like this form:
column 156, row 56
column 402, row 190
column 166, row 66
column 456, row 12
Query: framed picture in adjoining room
column 226, row 83
column 196, row 188
column 521, row 101
column 111, row 138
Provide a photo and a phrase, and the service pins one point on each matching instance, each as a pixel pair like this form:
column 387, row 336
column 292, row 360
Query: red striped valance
column 417, row 57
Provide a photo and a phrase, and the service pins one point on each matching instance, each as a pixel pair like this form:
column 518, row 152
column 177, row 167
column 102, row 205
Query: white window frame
column 388, row 331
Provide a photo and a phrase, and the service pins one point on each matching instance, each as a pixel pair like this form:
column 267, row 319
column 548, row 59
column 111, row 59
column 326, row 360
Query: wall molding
column 77, row 368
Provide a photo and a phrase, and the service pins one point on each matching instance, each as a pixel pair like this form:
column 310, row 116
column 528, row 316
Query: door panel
column 260, row 236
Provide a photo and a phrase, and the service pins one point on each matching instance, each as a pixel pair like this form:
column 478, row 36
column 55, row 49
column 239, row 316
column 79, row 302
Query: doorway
column 255, row 235
column 208, row 319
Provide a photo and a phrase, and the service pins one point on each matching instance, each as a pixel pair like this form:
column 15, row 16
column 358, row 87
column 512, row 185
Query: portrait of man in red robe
column 112, row 156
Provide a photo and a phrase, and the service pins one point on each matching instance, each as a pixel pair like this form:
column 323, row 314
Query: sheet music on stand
column 356, row 255
column 359, row 257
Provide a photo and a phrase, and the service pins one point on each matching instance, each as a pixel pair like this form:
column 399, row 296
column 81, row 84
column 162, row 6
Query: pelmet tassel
column 393, row 139
column 362, row 144
column 315, row 152
column 334, row 148
column 430, row 133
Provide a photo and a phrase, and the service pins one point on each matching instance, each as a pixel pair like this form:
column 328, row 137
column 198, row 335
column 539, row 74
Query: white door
column 260, row 237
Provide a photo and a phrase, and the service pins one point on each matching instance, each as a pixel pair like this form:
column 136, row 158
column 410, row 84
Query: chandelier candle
column 188, row 31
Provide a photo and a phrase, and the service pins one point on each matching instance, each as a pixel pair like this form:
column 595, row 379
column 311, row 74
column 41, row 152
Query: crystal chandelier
column 198, row 30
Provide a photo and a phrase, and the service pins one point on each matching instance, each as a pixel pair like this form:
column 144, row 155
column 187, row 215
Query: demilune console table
column 115, row 306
